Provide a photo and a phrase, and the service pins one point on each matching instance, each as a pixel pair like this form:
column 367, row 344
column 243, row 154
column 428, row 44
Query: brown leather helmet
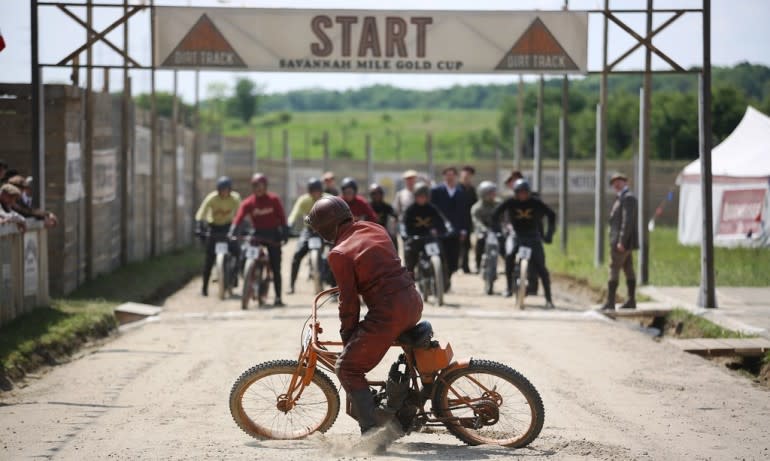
column 327, row 215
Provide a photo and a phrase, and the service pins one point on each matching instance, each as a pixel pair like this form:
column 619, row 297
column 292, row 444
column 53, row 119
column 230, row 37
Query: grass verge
column 683, row 324
column 47, row 334
column 671, row 264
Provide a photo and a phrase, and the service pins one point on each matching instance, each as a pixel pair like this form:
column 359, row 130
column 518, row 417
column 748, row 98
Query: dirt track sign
column 460, row 42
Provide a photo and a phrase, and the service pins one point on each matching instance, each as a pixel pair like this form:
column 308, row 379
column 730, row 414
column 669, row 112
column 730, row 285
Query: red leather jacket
column 364, row 262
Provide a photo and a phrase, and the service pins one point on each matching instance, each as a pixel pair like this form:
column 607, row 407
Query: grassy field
column 57, row 330
column 396, row 135
column 670, row 263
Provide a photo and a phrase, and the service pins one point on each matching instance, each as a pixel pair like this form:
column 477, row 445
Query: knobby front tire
column 521, row 291
column 254, row 403
column 221, row 277
column 438, row 279
column 248, row 283
column 506, row 400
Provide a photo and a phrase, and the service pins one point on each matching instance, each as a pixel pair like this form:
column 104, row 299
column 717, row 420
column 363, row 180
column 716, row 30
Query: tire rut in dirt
column 280, row 367
column 479, row 367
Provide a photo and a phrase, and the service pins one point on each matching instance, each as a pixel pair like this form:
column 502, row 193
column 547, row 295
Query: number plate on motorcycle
column 252, row 252
column 315, row 243
column 524, row 253
column 432, row 249
column 221, row 248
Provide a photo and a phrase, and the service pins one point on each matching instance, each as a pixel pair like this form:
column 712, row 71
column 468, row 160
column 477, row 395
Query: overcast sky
column 740, row 32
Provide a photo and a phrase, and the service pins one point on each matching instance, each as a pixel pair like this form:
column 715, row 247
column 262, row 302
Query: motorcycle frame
column 317, row 352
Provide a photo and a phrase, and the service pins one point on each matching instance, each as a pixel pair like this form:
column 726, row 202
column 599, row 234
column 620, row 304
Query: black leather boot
column 612, row 288
column 363, row 405
column 631, row 302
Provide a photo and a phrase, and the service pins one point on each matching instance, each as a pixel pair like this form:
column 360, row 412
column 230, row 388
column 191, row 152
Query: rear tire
column 321, row 387
column 491, row 405
column 438, row 279
column 315, row 271
column 221, row 276
column 521, row 290
column 248, row 284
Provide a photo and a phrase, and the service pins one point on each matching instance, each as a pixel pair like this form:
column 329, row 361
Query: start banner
column 292, row 40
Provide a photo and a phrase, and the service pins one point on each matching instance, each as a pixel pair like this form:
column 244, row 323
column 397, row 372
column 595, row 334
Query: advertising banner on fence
column 105, row 175
column 73, row 188
column 209, row 165
column 453, row 42
column 31, row 275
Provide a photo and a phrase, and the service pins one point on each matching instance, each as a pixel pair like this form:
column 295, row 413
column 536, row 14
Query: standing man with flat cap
column 624, row 238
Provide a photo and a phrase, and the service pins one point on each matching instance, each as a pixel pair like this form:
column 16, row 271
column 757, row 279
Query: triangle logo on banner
column 537, row 50
column 204, row 46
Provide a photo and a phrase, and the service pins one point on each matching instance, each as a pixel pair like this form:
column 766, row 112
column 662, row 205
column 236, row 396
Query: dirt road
column 160, row 391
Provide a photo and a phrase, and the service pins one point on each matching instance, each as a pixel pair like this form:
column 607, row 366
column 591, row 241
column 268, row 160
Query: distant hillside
column 753, row 80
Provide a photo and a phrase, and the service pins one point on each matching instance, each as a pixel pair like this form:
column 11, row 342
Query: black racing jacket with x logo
column 526, row 217
column 421, row 219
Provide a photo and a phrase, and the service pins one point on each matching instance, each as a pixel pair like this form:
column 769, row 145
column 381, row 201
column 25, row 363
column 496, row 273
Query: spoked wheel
column 494, row 404
column 521, row 290
column 258, row 405
column 221, row 276
column 248, row 284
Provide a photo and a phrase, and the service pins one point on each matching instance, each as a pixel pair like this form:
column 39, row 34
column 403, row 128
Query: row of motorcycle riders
column 511, row 230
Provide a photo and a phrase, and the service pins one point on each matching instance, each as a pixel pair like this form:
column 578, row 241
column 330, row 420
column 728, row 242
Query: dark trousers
column 299, row 254
column 480, row 246
column 537, row 266
column 393, row 314
column 452, row 253
column 465, row 249
column 274, row 253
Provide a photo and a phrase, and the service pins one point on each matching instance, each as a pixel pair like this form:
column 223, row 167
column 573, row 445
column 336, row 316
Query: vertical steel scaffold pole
column 707, row 292
column 600, row 209
column 537, row 169
column 644, row 160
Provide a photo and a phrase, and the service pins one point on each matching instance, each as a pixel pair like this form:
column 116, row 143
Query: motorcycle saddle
column 418, row 336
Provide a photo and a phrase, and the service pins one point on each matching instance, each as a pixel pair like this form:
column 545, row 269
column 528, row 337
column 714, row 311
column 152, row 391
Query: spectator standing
column 466, row 183
column 405, row 196
column 451, row 200
column 624, row 238
column 330, row 184
column 386, row 217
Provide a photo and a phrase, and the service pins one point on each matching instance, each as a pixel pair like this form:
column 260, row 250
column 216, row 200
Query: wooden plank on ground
column 723, row 346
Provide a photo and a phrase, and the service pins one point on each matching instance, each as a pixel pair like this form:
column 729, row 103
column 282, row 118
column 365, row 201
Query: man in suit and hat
column 624, row 238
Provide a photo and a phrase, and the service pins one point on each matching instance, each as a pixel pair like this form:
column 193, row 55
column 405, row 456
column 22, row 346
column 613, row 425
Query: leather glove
column 548, row 238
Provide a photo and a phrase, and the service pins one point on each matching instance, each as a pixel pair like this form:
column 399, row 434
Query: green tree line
column 674, row 129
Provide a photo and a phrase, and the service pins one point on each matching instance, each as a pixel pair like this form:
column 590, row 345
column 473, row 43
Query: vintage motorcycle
column 225, row 268
column 319, row 271
column 521, row 272
column 489, row 261
column 429, row 272
column 257, row 274
column 479, row 401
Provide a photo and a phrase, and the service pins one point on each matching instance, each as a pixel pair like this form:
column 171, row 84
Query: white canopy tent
column 741, row 201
